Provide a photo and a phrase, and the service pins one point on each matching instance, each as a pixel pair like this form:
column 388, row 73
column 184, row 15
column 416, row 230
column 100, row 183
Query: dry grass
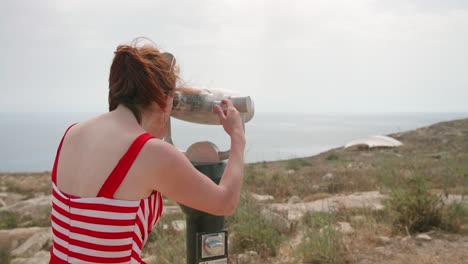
column 27, row 184
column 166, row 244
column 438, row 154
column 251, row 231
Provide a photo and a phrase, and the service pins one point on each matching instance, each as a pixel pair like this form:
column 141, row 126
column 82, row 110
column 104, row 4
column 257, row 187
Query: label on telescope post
column 217, row 261
column 212, row 248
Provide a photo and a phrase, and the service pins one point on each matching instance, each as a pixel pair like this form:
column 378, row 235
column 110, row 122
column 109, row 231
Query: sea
column 28, row 141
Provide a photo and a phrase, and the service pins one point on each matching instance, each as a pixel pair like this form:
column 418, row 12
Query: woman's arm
column 176, row 178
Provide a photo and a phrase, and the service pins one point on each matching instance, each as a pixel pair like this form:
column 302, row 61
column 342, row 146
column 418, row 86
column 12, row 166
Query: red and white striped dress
column 102, row 229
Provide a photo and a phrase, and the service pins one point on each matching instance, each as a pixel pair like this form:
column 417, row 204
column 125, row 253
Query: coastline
column 326, row 184
column 291, row 156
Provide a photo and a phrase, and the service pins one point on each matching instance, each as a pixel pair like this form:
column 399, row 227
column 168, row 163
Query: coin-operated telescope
column 206, row 237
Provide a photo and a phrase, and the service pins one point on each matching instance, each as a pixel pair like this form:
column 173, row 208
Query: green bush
column 331, row 157
column 8, row 220
column 251, row 231
column 455, row 215
column 296, row 164
column 5, row 256
column 322, row 242
column 414, row 208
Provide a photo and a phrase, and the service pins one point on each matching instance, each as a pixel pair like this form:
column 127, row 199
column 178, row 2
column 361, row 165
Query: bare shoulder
column 161, row 154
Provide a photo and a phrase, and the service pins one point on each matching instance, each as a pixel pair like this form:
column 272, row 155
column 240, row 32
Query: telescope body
column 196, row 106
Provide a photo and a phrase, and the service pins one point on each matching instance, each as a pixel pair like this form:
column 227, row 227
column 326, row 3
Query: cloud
column 344, row 55
column 408, row 7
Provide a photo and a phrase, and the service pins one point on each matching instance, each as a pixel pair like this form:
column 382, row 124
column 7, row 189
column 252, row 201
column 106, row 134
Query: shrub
column 251, row 231
column 414, row 208
column 331, row 157
column 8, row 220
column 322, row 243
column 5, row 256
column 296, row 164
column 455, row 215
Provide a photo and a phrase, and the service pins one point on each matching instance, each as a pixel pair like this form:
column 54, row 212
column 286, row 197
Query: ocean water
column 28, row 141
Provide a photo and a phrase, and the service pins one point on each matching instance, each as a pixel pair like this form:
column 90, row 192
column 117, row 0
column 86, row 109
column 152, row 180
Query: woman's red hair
column 140, row 76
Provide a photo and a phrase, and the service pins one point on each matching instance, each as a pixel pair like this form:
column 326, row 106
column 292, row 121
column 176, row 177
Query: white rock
column 294, row 199
column 327, row 177
column 151, row 260
column 247, row 257
column 15, row 237
column 36, row 210
column 358, row 218
column 276, row 220
column 262, row 198
column 33, row 244
column 178, row 225
column 315, row 188
column 345, row 228
column 384, row 240
column 295, row 215
column 406, row 239
column 371, row 200
column 171, row 209
column 423, row 237
column 41, row 257
column 10, row 198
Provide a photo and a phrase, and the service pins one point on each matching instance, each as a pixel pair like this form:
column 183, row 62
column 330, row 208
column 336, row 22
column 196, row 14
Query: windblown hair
column 140, row 76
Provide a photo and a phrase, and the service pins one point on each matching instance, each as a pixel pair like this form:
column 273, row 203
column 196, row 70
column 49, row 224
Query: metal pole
column 198, row 222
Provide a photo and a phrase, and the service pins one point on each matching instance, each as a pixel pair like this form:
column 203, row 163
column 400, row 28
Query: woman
column 110, row 172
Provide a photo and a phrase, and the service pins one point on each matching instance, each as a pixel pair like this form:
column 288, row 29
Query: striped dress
column 102, row 229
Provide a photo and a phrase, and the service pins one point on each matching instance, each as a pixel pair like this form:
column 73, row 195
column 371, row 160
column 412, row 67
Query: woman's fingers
column 220, row 112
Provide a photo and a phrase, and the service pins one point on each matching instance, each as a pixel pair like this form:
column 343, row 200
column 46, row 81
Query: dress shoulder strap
column 54, row 169
column 118, row 174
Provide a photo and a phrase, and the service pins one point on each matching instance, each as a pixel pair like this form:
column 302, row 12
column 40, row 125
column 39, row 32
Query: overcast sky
column 290, row 56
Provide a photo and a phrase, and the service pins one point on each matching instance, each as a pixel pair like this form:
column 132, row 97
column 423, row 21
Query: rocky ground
column 349, row 183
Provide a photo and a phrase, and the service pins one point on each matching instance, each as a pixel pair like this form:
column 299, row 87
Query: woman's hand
column 230, row 119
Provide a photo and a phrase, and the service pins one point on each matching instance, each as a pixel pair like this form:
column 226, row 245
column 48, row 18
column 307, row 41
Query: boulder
column 315, row 188
column 327, row 177
column 13, row 238
column 41, row 257
column 171, row 209
column 247, row 257
column 41, row 239
column 34, row 211
column 151, row 260
column 178, row 225
column 10, row 198
column 423, row 237
column 262, row 198
column 406, row 239
column 358, row 219
column 294, row 199
column 344, row 228
column 371, row 200
column 276, row 220
column 295, row 215
column 384, row 240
